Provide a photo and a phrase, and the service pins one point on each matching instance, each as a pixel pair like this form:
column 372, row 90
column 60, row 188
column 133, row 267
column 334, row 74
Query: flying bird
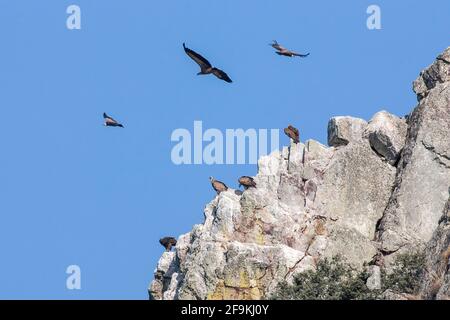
column 218, row 185
column 292, row 133
column 205, row 66
column 168, row 242
column 110, row 122
column 285, row 52
column 247, row 182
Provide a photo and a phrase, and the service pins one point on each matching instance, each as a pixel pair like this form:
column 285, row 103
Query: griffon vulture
column 110, row 122
column 292, row 133
column 247, row 182
column 205, row 66
column 218, row 185
column 168, row 242
column 285, row 52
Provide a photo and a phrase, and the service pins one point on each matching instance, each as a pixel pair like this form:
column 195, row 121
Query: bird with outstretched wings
column 285, row 52
column 110, row 122
column 205, row 65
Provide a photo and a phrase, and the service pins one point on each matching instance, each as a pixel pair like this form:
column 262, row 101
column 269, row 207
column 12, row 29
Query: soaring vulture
column 110, row 122
column 292, row 133
column 205, row 66
column 247, row 182
column 285, row 52
column 168, row 242
column 218, row 185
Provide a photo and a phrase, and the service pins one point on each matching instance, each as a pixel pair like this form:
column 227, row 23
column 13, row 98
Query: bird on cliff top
column 285, row 52
column 292, row 133
column 247, row 182
column 168, row 242
column 110, row 122
column 205, row 66
column 217, row 185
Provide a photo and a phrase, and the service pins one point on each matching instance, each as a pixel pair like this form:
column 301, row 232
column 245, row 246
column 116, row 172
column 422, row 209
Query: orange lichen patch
column 222, row 292
column 320, row 228
column 239, row 286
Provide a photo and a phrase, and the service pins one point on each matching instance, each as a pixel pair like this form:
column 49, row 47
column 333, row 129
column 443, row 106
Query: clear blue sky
column 75, row 192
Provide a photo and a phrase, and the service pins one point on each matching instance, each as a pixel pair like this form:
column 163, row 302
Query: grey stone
column 374, row 280
column 343, row 130
column 387, row 134
column 423, row 176
column 437, row 73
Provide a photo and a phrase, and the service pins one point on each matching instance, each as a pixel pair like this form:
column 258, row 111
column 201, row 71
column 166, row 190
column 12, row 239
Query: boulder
column 387, row 134
column 343, row 130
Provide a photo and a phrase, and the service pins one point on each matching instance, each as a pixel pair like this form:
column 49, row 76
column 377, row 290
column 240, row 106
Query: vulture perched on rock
column 110, row 122
column 205, row 66
column 218, row 185
column 247, row 182
column 285, row 52
column 168, row 242
column 292, row 133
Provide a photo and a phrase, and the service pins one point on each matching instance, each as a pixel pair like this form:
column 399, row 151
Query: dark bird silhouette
column 110, row 122
column 292, row 133
column 218, row 185
column 168, row 242
column 285, row 52
column 205, row 66
column 247, row 182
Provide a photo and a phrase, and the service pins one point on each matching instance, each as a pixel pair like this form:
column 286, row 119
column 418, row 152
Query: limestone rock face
column 381, row 188
column 435, row 74
column 436, row 284
column 423, row 173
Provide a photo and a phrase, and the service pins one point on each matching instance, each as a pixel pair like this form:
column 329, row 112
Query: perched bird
column 168, row 242
column 292, row 133
column 110, row 122
column 205, row 66
column 285, row 52
column 247, row 182
column 218, row 185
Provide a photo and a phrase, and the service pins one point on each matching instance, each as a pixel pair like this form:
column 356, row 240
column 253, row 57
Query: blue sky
column 75, row 192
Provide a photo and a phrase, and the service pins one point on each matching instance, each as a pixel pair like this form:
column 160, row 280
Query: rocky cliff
column 381, row 188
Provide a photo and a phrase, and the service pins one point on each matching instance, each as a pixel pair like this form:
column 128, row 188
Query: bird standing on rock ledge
column 168, row 242
column 247, row 182
column 292, row 133
column 218, row 185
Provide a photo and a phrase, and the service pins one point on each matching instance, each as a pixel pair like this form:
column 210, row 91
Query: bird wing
column 201, row 61
column 295, row 130
column 300, row 55
column 277, row 46
column 108, row 119
column 288, row 131
column 221, row 75
column 218, row 185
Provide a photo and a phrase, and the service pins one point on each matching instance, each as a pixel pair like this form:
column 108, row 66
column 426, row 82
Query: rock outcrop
column 379, row 189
